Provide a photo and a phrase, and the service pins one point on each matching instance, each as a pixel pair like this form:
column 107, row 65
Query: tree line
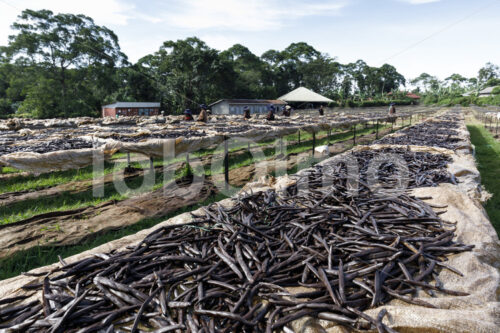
column 64, row 65
column 450, row 91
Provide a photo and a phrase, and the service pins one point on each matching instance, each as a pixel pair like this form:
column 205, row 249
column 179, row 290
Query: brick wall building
column 131, row 109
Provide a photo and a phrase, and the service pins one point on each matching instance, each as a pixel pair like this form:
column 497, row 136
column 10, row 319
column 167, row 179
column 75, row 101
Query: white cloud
column 245, row 15
column 109, row 12
column 419, row 2
column 219, row 41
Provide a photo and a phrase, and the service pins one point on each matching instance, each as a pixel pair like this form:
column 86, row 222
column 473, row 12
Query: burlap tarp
column 78, row 158
column 59, row 160
column 463, row 146
column 478, row 312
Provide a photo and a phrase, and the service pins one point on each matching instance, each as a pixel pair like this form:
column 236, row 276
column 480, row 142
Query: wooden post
column 151, row 165
column 410, row 120
column 354, row 135
column 128, row 159
column 314, row 143
column 299, row 136
column 376, row 130
column 187, row 159
column 496, row 130
column 226, row 163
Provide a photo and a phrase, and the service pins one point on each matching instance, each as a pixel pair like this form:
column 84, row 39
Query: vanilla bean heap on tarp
column 438, row 133
column 257, row 266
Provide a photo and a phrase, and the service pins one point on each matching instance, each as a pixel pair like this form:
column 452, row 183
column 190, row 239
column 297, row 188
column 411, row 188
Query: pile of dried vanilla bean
column 315, row 249
column 438, row 133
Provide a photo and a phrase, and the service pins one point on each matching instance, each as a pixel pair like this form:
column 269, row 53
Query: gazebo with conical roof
column 304, row 95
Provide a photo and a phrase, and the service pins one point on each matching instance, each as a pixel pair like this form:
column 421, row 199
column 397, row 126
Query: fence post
column 314, row 143
column 151, row 165
column 354, row 135
column 128, row 159
column 410, row 120
column 226, row 163
column 376, row 130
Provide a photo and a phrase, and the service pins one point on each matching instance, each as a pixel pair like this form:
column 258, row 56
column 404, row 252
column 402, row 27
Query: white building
column 486, row 92
column 235, row 106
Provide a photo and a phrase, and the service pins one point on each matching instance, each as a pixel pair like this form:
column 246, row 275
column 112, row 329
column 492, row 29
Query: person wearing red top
column 188, row 115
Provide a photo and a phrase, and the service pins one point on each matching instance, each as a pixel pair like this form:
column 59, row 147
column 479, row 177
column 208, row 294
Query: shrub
column 378, row 102
column 5, row 107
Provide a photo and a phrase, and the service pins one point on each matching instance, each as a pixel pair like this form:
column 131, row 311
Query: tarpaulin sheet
column 260, row 130
column 478, row 312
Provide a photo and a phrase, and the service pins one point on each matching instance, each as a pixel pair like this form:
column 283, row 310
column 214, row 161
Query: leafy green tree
column 493, row 82
column 134, row 84
column 389, row 79
column 290, row 66
column 187, row 73
column 323, row 75
column 253, row 77
column 489, row 71
column 73, row 61
column 372, row 81
column 455, row 83
column 423, row 81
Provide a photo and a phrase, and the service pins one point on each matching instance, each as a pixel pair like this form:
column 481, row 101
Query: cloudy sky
column 440, row 37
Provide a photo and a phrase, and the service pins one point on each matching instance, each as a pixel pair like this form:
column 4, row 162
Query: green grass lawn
column 10, row 170
column 488, row 160
column 35, row 182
